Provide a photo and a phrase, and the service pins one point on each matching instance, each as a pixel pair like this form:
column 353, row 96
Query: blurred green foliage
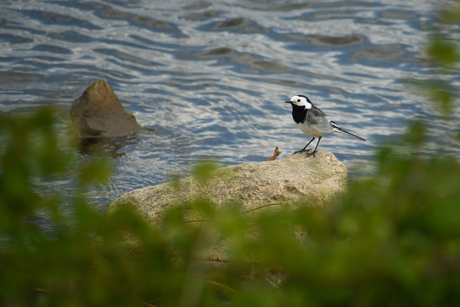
column 443, row 49
column 391, row 240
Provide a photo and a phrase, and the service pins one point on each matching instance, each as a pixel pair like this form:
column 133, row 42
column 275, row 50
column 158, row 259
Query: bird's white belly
column 311, row 130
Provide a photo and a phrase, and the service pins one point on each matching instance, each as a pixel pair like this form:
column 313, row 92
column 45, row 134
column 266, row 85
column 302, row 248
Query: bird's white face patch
column 301, row 101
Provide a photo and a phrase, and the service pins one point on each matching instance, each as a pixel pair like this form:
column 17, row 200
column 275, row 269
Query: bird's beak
column 287, row 101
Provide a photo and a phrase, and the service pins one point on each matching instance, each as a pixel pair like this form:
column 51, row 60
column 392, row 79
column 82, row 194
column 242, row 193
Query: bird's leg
column 304, row 147
column 314, row 151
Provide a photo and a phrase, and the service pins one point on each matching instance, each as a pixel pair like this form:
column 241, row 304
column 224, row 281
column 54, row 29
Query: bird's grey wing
column 317, row 116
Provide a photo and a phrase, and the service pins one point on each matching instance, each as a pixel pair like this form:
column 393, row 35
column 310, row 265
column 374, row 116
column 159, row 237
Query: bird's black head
column 300, row 101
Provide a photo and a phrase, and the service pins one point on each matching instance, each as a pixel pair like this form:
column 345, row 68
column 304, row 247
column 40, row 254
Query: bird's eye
column 298, row 100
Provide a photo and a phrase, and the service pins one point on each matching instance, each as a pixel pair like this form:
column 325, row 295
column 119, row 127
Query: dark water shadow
column 110, row 146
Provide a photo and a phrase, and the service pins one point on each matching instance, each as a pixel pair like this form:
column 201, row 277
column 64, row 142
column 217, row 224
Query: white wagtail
column 312, row 121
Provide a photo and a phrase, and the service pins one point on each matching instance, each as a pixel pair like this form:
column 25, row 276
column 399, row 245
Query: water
column 210, row 77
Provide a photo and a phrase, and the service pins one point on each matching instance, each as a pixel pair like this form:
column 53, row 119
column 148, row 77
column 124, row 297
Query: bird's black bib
column 299, row 114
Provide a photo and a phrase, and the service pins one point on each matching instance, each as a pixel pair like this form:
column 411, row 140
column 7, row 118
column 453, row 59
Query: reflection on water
column 210, row 78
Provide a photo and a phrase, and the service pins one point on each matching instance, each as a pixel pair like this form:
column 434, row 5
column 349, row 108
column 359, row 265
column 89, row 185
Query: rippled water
column 210, row 77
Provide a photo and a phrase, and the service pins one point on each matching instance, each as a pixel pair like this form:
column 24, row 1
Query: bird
column 313, row 121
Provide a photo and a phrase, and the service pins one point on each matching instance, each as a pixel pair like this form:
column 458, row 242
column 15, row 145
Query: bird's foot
column 311, row 153
column 303, row 150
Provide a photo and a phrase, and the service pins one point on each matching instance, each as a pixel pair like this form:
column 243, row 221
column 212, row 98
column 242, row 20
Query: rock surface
column 99, row 113
column 313, row 180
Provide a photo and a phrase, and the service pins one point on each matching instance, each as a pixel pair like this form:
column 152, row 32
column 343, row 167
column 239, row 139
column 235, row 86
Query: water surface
column 210, row 77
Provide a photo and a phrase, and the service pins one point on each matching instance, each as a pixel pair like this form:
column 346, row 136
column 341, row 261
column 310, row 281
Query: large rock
column 99, row 113
column 314, row 180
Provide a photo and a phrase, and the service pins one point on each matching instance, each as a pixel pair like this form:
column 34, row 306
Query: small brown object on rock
column 99, row 113
column 275, row 154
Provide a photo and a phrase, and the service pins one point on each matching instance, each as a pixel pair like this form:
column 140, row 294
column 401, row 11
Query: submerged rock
column 99, row 113
column 312, row 180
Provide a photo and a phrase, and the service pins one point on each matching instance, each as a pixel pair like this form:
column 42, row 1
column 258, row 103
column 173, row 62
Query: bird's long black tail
column 336, row 128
